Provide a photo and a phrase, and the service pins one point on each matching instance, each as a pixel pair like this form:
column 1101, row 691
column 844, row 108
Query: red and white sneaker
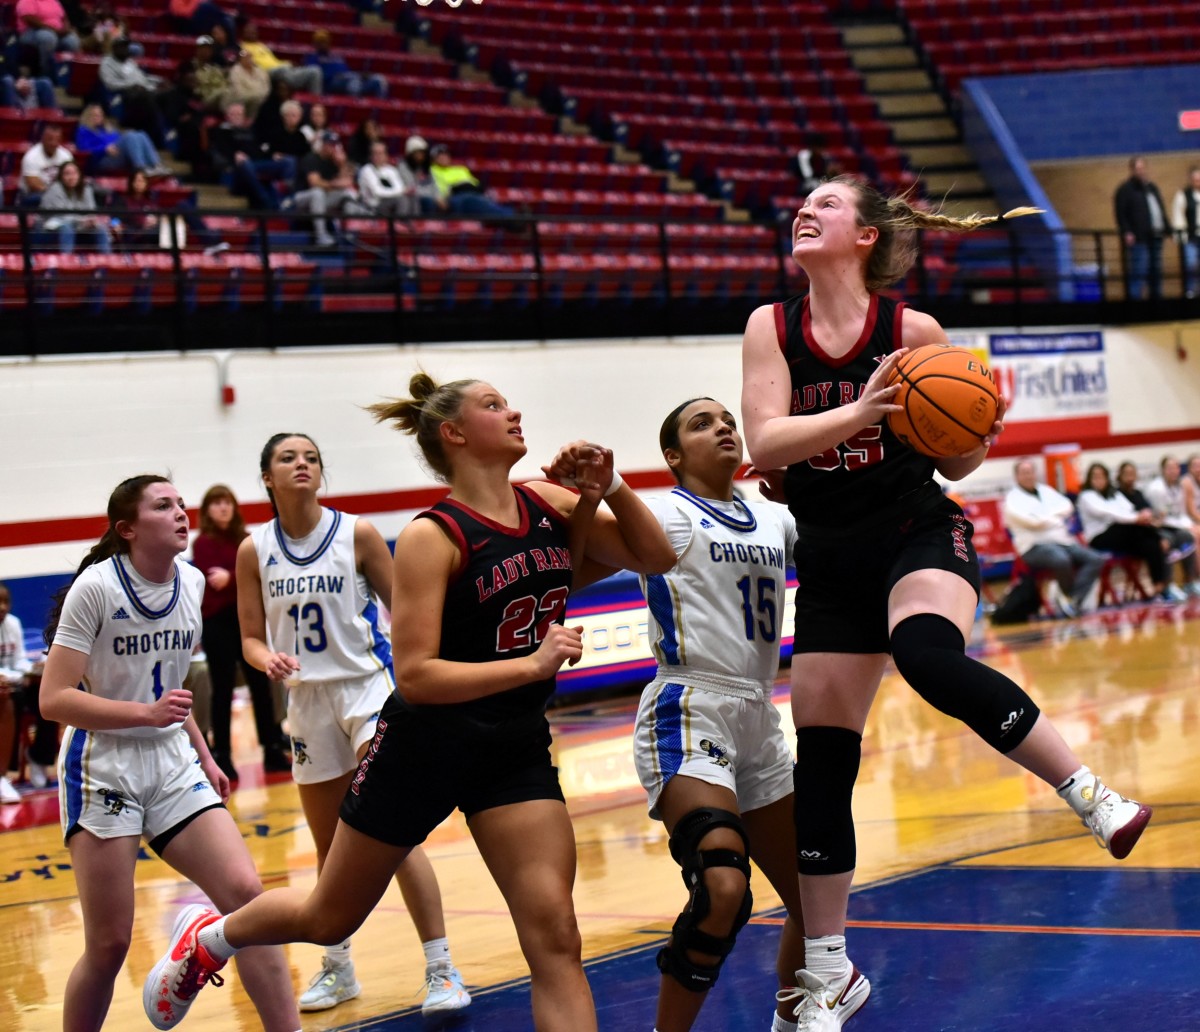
column 1116, row 822
column 186, row 968
column 825, row 1006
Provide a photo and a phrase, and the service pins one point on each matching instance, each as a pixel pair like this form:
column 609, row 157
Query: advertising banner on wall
column 1056, row 384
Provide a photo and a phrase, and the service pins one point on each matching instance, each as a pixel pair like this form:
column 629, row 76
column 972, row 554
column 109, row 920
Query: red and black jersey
column 511, row 585
column 846, row 483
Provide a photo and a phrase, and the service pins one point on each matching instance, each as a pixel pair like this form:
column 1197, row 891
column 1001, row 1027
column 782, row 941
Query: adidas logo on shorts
column 120, row 614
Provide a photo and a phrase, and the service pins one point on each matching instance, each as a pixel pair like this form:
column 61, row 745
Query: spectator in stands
column 366, row 133
column 1185, row 218
column 100, row 27
column 1191, row 488
column 1112, row 524
column 1038, row 517
column 225, row 49
column 809, row 165
column 147, row 102
column 142, row 227
column 104, row 149
column 200, row 16
column 24, row 686
column 269, row 119
column 1164, row 495
column 1142, row 220
column 252, row 169
column 43, row 25
column 222, row 529
column 463, row 192
column 306, row 78
column 336, row 74
column 383, row 188
column 315, row 124
column 416, row 161
column 14, row 676
column 69, row 193
column 210, row 80
column 325, row 185
column 287, row 140
column 249, row 85
column 120, row 71
column 26, row 94
column 40, row 164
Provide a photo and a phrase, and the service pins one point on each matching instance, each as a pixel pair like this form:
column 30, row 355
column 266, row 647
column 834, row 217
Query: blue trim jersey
column 717, row 615
column 512, row 584
column 138, row 635
column 318, row 606
column 843, row 485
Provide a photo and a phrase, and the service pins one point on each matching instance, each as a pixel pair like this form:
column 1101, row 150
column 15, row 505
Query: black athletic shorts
column 427, row 761
column 846, row 574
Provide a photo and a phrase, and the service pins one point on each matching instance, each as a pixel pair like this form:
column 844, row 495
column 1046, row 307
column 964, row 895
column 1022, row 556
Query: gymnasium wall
column 1097, row 112
column 75, row 427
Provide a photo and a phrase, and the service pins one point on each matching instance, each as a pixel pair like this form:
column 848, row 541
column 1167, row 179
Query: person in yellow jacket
column 306, row 79
column 463, row 191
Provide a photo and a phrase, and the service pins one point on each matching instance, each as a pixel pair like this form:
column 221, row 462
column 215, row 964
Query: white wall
column 75, row 427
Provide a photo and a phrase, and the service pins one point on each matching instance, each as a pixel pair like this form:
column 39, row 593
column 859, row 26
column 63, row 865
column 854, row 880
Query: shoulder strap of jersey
column 445, row 518
column 535, row 501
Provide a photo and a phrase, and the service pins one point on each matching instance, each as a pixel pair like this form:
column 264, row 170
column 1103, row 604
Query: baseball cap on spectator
column 205, row 41
column 415, row 143
column 330, row 137
column 439, row 148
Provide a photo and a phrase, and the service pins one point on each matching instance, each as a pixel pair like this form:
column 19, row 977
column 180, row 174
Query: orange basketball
column 949, row 400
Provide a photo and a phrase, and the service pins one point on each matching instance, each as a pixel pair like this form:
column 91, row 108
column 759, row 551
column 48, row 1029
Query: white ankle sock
column 338, row 956
column 826, row 957
column 782, row 1025
column 437, row 954
column 212, row 938
column 1077, row 791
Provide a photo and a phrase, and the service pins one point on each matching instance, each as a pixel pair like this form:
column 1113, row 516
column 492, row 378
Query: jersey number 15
column 758, row 598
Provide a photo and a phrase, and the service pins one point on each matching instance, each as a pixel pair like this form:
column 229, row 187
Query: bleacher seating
column 963, row 38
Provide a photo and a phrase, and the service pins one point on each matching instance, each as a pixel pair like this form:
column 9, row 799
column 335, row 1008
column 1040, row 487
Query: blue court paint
column 933, row 979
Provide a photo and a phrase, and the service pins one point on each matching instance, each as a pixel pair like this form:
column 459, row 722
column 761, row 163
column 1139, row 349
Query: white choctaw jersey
column 318, row 606
column 717, row 616
column 138, row 635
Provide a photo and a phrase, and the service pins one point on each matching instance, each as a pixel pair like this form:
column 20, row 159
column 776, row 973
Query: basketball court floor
column 982, row 904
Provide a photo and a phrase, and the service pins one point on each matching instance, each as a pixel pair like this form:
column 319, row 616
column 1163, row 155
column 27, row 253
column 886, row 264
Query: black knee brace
column 929, row 652
column 827, row 760
column 685, row 935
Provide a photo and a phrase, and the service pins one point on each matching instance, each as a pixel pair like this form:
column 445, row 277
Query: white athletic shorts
column 119, row 785
column 721, row 739
column 330, row 721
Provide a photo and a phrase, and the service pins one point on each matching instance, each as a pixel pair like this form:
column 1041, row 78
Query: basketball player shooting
column 884, row 559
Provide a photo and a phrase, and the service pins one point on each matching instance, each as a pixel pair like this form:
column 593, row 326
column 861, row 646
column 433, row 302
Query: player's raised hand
column 593, row 471
column 561, row 468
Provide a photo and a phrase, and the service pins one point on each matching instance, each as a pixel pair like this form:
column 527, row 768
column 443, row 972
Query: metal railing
column 173, row 283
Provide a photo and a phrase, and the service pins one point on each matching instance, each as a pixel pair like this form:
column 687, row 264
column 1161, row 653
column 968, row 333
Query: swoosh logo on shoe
column 841, row 1000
